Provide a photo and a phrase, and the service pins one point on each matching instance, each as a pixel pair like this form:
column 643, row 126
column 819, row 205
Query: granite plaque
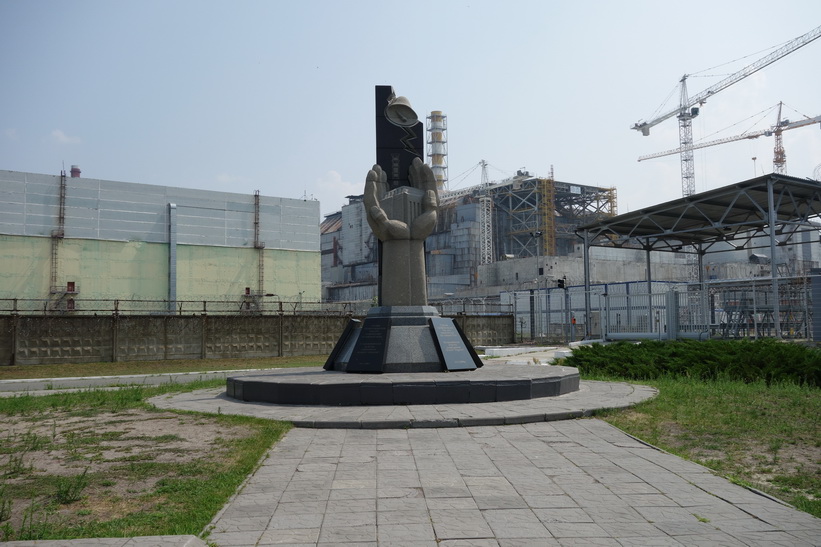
column 341, row 343
column 478, row 362
column 369, row 352
column 451, row 346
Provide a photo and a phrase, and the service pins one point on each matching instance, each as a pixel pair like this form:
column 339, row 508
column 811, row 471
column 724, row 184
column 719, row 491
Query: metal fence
column 487, row 305
column 251, row 305
column 627, row 311
column 248, row 305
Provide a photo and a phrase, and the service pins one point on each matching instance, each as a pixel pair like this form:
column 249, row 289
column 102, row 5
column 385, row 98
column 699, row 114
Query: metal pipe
column 172, row 256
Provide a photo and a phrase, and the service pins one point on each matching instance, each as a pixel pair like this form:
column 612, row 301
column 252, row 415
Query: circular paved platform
column 590, row 397
column 489, row 384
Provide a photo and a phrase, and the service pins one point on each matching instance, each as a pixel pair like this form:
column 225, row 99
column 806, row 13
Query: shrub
column 746, row 360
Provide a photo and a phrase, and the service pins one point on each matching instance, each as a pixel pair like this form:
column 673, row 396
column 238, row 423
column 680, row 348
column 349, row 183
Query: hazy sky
column 279, row 96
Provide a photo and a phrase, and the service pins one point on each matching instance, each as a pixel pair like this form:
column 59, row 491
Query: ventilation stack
column 438, row 147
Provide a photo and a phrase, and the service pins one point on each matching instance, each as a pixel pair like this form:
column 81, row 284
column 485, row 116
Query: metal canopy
column 733, row 214
column 731, row 217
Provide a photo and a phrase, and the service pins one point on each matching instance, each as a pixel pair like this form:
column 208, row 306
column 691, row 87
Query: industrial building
column 492, row 237
column 70, row 240
column 520, row 234
column 509, row 235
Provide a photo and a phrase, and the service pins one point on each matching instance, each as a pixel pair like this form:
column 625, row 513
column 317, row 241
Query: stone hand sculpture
column 402, row 219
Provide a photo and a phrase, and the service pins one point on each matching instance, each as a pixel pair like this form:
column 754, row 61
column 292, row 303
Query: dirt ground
column 38, row 452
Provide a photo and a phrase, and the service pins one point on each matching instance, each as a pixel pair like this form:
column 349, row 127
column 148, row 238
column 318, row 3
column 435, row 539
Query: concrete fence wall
column 33, row 340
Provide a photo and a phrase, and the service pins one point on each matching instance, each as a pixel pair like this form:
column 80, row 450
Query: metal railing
column 249, row 305
column 472, row 306
column 717, row 309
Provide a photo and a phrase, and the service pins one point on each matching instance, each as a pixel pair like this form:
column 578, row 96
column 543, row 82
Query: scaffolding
column 526, row 205
column 485, row 230
column 548, row 209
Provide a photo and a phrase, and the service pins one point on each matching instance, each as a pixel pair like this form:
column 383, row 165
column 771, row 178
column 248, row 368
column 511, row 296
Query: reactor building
column 70, row 239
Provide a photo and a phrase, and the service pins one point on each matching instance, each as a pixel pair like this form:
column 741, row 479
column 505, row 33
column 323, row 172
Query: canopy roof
column 733, row 214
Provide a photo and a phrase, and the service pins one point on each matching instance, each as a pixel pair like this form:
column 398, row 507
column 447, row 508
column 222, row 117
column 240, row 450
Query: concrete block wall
column 33, row 340
column 487, row 330
column 61, row 339
column 228, row 337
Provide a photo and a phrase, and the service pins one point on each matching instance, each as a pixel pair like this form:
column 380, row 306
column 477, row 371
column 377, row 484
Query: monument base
column 491, row 384
column 403, row 339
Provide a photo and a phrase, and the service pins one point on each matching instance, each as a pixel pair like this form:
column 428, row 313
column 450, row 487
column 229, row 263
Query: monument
column 403, row 336
column 403, row 333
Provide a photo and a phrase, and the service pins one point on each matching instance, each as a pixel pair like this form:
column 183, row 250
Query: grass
column 19, row 372
column 761, row 432
column 764, row 433
column 63, row 477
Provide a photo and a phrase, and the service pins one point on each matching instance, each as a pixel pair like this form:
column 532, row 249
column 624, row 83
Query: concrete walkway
column 575, row 482
column 500, row 474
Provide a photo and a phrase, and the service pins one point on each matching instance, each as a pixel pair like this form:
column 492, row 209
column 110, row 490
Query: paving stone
column 347, row 534
column 241, row 524
column 285, row 521
column 515, row 523
column 549, row 501
column 469, row 543
column 301, row 507
column 589, row 542
column 576, row 530
column 355, row 505
column 401, row 504
column 298, row 536
column 402, row 517
column 500, row 502
column 391, row 534
column 562, row 515
column 715, row 539
column 625, row 530
column 436, row 505
column 350, row 518
column 235, row 539
column 652, row 541
column 460, row 524
column 648, row 500
column 340, row 494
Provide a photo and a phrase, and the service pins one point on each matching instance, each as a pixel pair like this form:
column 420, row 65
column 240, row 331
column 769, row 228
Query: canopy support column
column 773, row 264
column 587, row 314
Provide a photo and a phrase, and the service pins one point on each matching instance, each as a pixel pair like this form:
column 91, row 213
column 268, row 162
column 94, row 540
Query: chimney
column 75, row 171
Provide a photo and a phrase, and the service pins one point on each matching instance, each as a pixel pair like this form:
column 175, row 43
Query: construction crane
column 779, row 154
column 688, row 107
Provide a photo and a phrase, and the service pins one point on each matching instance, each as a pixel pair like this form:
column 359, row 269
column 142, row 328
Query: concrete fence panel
column 45, row 339
column 236, row 337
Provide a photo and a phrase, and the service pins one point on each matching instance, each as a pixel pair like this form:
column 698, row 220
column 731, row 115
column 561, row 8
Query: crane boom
column 753, row 135
column 700, row 98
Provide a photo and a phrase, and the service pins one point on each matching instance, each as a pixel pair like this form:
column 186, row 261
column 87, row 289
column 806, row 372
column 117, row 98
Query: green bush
column 766, row 359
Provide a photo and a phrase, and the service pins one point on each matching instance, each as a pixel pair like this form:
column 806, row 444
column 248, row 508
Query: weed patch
column 105, row 464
